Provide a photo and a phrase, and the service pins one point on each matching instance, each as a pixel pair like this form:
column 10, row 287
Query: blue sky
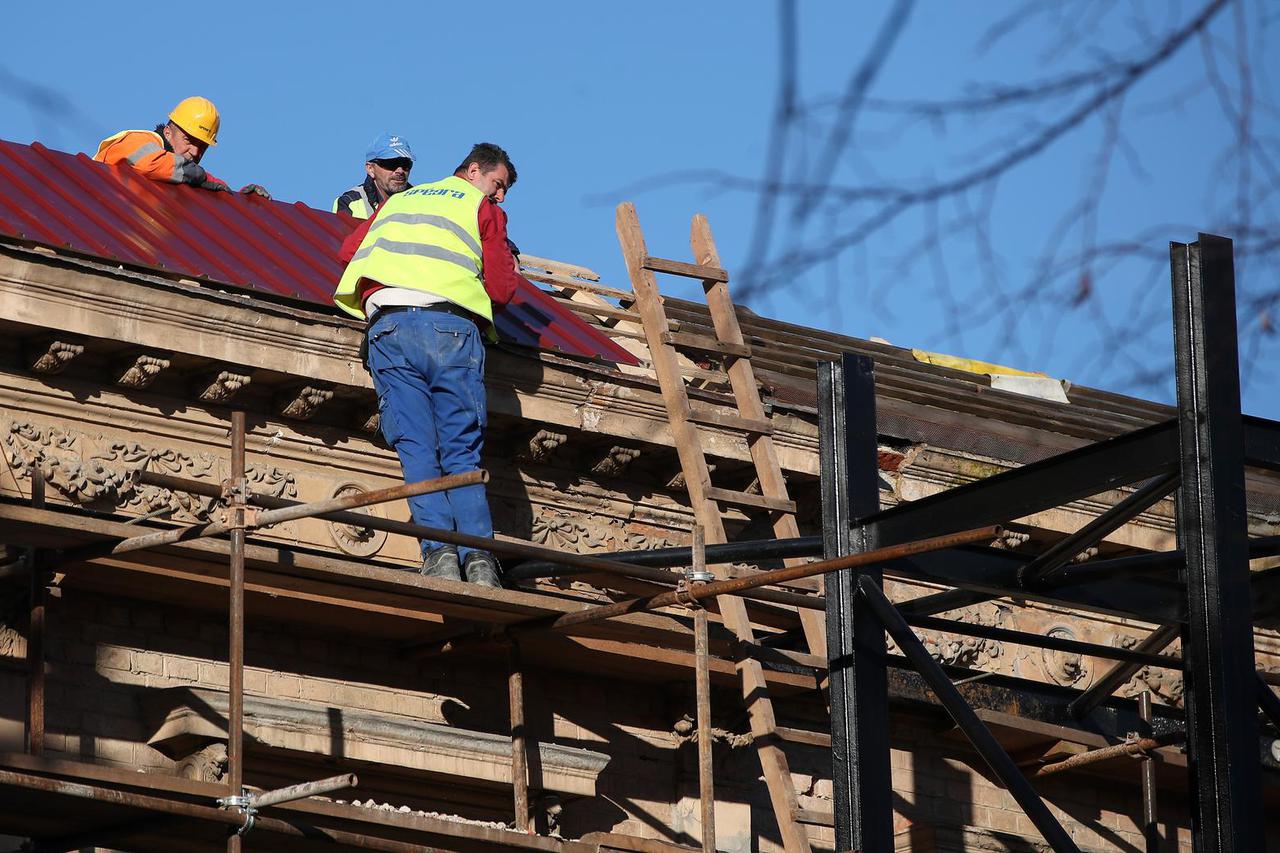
column 662, row 103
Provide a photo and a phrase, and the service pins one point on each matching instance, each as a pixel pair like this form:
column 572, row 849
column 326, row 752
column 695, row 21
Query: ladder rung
column 705, row 416
column 744, row 499
column 813, row 817
column 687, row 270
column 706, row 344
column 803, row 736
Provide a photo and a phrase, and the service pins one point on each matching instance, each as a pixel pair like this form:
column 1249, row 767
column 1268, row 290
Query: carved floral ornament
column 565, row 531
column 101, row 470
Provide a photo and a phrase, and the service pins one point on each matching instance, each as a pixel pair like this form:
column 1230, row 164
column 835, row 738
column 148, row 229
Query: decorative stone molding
column 305, row 403
column 1011, row 539
column 571, row 532
column 205, row 765
column 544, row 443
column 93, row 470
column 958, row 650
column 53, row 356
column 615, row 462
column 187, row 720
column 142, row 371
column 354, row 540
column 221, row 387
column 1165, row 684
column 1061, row 667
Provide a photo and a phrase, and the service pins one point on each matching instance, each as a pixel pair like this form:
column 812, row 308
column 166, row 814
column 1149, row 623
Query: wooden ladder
column 706, row 498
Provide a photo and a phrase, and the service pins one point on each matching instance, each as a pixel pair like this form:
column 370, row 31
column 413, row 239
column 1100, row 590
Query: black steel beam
column 1102, row 689
column 856, row 653
column 1269, row 702
column 994, row 571
column 1079, row 473
column 1220, row 677
column 1261, row 443
column 977, row 732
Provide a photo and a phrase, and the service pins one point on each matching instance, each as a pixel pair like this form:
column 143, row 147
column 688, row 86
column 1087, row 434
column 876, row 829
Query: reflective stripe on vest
column 359, row 207
column 427, row 239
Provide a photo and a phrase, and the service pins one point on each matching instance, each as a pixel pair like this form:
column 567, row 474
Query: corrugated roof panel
column 69, row 202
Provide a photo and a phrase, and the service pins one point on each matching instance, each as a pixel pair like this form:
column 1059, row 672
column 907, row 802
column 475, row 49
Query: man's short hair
column 488, row 157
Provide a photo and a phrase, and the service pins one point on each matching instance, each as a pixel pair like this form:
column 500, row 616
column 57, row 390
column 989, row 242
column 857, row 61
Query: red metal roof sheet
column 69, row 202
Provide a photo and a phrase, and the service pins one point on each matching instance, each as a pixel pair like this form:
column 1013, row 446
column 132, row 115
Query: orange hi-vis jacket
column 144, row 150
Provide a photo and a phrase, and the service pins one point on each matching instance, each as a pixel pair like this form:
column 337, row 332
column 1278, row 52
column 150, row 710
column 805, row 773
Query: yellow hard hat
column 199, row 118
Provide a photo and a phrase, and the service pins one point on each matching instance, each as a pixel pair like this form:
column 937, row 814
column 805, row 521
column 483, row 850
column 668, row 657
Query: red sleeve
column 354, row 239
column 501, row 277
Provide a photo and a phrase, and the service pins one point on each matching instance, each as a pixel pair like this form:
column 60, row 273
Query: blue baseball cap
column 388, row 146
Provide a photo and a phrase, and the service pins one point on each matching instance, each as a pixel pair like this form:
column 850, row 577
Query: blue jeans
column 428, row 370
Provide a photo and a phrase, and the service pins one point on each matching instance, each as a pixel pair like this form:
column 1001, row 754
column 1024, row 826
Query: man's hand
column 215, row 185
column 256, row 189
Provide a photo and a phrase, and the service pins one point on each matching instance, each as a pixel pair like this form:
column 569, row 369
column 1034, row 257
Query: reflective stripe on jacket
column 143, row 150
column 426, row 239
column 356, row 201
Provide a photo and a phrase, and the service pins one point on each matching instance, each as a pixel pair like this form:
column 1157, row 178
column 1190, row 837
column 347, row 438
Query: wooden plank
column 747, row 425
column 754, row 687
column 737, row 498
column 814, row 817
column 600, row 311
column 566, row 283
column 698, row 271
column 803, row 736
column 706, row 344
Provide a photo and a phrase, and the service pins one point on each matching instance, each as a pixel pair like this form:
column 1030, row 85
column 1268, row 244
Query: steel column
column 1221, row 685
column 856, row 655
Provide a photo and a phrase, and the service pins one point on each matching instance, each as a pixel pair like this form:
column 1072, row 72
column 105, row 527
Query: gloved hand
column 215, row 185
column 256, row 189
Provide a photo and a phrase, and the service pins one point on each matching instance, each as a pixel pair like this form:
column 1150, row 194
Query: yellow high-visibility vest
column 426, row 238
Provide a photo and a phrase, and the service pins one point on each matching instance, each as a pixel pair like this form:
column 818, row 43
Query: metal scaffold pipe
column 732, row 586
column 502, row 547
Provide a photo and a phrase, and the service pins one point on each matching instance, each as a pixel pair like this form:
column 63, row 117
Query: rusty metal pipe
column 1150, row 823
column 303, row 790
column 36, row 627
column 293, row 827
column 1105, row 753
column 500, row 547
column 235, row 653
column 519, row 757
column 732, row 586
column 277, row 516
column 706, row 771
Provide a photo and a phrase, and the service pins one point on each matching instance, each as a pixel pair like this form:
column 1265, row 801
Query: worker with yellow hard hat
column 173, row 150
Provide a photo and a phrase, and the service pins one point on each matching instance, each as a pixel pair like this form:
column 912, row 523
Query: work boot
column 482, row 569
column 442, row 562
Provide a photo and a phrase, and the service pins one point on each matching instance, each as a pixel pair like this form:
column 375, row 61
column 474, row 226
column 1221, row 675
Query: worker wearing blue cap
column 387, row 164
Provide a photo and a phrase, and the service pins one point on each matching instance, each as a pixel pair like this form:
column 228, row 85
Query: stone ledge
column 185, row 720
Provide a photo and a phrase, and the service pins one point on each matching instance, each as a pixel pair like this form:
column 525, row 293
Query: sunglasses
column 398, row 163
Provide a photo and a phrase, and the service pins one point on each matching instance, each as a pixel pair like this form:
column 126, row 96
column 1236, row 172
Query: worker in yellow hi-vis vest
column 426, row 272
